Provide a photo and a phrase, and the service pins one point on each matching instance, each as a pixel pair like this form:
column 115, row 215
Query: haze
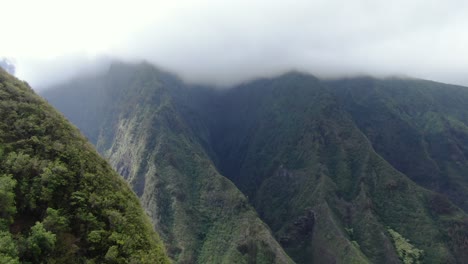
column 227, row 42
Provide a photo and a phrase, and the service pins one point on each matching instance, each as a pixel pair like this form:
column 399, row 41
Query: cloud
column 226, row 42
column 43, row 73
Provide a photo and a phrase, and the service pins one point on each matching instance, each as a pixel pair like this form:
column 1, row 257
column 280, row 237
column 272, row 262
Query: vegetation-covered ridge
column 328, row 191
column 60, row 202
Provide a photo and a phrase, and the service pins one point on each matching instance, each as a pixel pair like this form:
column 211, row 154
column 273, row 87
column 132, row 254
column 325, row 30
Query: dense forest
column 290, row 168
column 60, row 202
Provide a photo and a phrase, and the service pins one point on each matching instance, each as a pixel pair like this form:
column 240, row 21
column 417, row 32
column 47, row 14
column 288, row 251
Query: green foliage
column 112, row 254
column 61, row 202
column 39, row 244
column 408, row 253
column 55, row 221
column 8, row 249
column 7, row 198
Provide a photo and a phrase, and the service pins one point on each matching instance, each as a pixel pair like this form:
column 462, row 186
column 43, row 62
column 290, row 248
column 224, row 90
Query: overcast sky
column 224, row 42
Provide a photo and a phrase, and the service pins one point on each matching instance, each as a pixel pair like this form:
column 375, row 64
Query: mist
column 227, row 42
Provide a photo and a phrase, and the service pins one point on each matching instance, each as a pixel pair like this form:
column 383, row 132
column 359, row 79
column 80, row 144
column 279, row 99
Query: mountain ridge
column 61, row 202
column 291, row 144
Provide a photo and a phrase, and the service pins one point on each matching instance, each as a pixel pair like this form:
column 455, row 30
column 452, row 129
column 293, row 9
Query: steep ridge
column 201, row 215
column 290, row 144
column 420, row 127
column 59, row 201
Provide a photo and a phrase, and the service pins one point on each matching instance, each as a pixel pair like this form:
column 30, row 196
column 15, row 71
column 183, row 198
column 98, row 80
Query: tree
column 40, row 242
column 408, row 253
column 7, row 200
column 55, row 222
column 8, row 249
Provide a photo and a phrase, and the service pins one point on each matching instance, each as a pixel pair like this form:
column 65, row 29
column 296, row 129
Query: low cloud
column 8, row 65
column 226, row 42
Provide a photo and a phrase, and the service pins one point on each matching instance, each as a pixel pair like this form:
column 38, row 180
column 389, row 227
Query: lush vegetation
column 407, row 252
column 327, row 166
column 60, row 202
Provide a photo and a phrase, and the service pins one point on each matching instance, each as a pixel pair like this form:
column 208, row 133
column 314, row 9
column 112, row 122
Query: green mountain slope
column 201, row 215
column 292, row 144
column 316, row 181
column 59, row 201
column 420, row 127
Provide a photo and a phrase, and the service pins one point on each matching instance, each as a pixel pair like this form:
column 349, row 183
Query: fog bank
column 227, row 42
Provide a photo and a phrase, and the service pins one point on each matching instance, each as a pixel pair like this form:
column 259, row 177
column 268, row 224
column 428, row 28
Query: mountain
column 60, row 202
column 288, row 144
column 419, row 126
column 134, row 122
column 328, row 174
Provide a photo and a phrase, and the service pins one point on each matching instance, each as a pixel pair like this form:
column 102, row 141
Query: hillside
column 60, row 202
column 299, row 151
column 419, row 126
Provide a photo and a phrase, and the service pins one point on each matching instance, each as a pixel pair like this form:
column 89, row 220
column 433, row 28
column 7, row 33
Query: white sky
column 224, row 42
